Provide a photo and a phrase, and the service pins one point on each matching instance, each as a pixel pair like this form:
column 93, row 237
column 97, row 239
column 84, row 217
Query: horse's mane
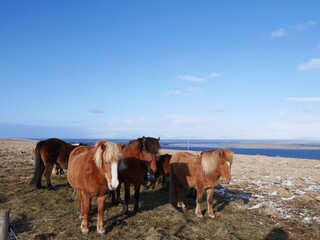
column 210, row 159
column 109, row 153
column 151, row 144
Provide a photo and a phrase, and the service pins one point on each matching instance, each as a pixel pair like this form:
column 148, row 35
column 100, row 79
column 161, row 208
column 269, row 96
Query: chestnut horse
column 139, row 157
column 48, row 153
column 200, row 172
column 93, row 172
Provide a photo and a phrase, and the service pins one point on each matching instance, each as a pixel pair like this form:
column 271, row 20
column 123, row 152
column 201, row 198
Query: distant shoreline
column 252, row 144
column 262, row 148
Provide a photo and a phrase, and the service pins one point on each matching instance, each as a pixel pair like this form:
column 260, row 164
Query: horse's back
column 52, row 148
column 182, row 157
column 182, row 168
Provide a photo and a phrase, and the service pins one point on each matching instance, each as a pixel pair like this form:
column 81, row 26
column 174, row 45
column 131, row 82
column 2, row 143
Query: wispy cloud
column 95, row 111
column 302, row 100
column 187, row 92
column 193, row 78
column 312, row 64
column 303, row 26
column 173, row 93
column 282, row 32
column 217, row 110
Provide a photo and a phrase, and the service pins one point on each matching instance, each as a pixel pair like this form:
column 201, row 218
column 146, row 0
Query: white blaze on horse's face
column 114, row 172
column 113, row 182
column 228, row 163
column 226, row 172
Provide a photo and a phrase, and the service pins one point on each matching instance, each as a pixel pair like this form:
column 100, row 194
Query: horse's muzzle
column 113, row 185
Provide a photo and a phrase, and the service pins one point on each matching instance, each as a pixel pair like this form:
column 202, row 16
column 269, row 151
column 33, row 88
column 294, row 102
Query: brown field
column 268, row 198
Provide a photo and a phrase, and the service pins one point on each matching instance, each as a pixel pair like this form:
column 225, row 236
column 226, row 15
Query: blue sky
column 169, row 69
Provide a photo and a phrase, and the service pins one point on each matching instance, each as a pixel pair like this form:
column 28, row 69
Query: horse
column 93, row 172
column 139, row 157
column 48, row 153
column 201, row 172
column 163, row 170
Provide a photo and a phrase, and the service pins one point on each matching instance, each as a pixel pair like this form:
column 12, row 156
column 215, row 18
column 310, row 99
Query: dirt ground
column 268, row 198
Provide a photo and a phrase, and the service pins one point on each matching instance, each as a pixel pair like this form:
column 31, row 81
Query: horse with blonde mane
column 92, row 171
column 201, row 172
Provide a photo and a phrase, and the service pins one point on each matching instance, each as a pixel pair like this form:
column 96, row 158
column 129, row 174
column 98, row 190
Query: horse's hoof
column 101, row 232
column 85, row 230
column 181, row 205
column 199, row 214
column 212, row 216
column 50, row 188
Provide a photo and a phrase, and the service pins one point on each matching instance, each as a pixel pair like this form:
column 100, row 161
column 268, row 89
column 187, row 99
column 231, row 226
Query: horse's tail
column 39, row 167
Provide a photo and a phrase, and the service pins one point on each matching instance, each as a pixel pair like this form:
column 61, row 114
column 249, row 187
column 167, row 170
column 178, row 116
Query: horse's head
column 106, row 157
column 149, row 148
column 144, row 149
column 225, row 162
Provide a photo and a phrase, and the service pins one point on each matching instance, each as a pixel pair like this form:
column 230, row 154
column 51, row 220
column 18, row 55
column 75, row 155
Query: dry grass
column 42, row 214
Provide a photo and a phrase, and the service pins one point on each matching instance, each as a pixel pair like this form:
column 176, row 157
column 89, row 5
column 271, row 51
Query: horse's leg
column 199, row 201
column 101, row 200
column 118, row 198
column 136, row 197
column 126, row 197
column 47, row 173
column 86, row 208
column 179, row 189
column 79, row 200
column 210, row 193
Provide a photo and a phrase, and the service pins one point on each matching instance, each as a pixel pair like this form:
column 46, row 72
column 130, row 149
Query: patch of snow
column 257, row 182
column 308, row 180
column 299, row 192
column 312, row 188
column 288, row 182
column 256, row 206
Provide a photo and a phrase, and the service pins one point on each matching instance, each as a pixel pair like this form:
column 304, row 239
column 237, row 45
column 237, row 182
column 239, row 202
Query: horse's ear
column 102, row 145
column 121, row 146
column 158, row 139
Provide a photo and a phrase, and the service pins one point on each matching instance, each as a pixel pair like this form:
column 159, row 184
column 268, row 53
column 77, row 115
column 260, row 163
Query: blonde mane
column 210, row 159
column 111, row 153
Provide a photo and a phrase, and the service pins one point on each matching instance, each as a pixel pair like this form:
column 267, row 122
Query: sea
column 272, row 148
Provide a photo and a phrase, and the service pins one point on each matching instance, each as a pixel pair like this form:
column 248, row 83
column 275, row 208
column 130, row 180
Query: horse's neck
column 131, row 151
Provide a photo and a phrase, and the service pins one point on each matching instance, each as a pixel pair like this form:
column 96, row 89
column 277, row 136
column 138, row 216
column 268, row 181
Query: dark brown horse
column 200, row 172
column 93, row 171
column 138, row 157
column 48, row 153
column 163, row 170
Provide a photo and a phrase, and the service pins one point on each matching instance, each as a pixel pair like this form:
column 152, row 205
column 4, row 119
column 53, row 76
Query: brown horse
column 200, row 172
column 138, row 157
column 93, row 172
column 48, row 153
column 163, row 170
